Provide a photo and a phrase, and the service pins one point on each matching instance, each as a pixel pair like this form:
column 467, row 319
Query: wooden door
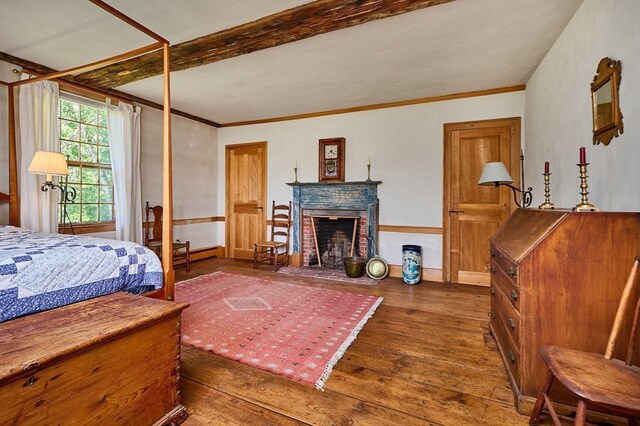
column 472, row 213
column 246, row 192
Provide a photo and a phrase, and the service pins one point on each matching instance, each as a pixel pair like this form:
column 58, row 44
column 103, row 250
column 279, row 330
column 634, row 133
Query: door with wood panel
column 246, row 192
column 472, row 213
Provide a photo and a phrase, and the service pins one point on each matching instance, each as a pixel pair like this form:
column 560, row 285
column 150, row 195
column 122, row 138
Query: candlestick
column 547, row 191
column 584, row 205
column 583, row 155
column 295, row 172
column 369, row 172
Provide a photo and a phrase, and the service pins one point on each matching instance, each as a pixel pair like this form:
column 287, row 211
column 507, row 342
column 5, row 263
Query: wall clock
column 331, row 160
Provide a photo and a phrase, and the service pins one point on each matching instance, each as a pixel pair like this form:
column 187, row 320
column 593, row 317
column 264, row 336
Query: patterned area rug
column 296, row 331
column 327, row 274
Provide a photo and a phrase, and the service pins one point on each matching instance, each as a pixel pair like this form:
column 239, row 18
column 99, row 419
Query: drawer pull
column 493, row 291
column 512, row 357
column 514, row 295
column 493, row 269
column 512, row 323
column 493, row 253
column 492, row 314
column 30, row 381
column 511, row 271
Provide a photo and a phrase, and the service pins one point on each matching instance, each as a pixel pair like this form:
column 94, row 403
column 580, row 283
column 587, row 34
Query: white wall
column 195, row 187
column 558, row 109
column 405, row 145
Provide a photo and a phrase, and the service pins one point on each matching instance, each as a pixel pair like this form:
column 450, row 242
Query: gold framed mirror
column 607, row 118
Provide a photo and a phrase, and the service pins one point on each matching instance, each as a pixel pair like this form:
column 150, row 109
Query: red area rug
column 296, row 331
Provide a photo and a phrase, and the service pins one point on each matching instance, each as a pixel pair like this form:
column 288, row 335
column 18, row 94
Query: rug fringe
column 343, row 348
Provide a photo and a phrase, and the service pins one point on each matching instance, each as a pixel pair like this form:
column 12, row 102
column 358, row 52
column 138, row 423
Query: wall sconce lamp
column 495, row 174
column 50, row 164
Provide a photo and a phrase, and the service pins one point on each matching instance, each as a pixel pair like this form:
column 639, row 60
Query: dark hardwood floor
column 425, row 357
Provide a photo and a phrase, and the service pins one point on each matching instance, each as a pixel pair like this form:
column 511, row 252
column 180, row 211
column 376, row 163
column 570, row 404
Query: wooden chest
column 556, row 279
column 109, row 360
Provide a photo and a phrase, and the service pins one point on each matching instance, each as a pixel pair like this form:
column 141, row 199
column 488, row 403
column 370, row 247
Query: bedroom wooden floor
column 425, row 357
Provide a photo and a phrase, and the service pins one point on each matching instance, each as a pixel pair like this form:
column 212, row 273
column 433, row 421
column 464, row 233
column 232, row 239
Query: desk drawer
column 504, row 283
column 506, row 313
column 506, row 264
column 510, row 354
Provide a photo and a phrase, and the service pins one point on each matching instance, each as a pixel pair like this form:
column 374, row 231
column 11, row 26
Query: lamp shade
column 49, row 163
column 495, row 174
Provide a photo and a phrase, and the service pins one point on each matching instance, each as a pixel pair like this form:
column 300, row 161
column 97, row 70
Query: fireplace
column 343, row 215
column 327, row 239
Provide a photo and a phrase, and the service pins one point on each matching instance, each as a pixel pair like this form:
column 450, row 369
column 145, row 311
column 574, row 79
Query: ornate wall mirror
column 607, row 118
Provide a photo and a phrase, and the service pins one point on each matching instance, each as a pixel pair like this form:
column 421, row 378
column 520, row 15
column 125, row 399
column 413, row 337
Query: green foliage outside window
column 84, row 139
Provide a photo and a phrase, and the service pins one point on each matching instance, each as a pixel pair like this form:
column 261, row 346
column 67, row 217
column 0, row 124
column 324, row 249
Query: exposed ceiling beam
column 291, row 25
column 41, row 69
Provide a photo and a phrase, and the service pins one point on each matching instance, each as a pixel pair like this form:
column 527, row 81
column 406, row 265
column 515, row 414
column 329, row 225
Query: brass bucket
column 354, row 266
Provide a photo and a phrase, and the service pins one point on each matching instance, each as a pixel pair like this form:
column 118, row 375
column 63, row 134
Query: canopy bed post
column 167, row 185
column 14, row 202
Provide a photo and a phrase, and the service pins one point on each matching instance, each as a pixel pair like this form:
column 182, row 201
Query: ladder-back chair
column 153, row 238
column 599, row 381
column 275, row 251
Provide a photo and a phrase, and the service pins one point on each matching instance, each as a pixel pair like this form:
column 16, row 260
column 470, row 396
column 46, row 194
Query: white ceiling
column 457, row 47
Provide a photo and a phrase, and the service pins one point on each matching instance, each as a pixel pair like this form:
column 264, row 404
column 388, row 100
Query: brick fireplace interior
column 335, row 238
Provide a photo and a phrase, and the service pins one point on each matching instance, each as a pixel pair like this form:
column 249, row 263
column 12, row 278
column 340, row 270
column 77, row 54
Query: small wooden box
column 110, row 360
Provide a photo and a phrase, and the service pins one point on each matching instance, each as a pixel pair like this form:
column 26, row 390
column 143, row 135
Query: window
column 84, row 139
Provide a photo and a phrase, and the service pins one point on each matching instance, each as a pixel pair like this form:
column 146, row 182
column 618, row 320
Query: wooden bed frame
column 66, row 363
column 167, row 291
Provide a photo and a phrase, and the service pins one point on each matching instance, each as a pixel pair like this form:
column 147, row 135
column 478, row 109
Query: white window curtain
column 38, row 131
column 124, row 147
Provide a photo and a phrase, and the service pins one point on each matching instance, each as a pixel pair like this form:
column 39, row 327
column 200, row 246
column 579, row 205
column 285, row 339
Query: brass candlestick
column 547, row 193
column 368, row 172
column 585, row 205
column 295, row 172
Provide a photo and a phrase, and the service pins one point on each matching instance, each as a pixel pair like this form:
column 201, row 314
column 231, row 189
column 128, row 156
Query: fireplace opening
column 335, row 238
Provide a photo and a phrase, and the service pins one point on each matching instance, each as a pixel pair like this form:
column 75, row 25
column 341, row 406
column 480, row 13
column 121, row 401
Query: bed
column 107, row 350
column 77, row 339
column 41, row 271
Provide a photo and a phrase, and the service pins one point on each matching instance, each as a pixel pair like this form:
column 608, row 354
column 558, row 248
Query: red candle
column 583, row 155
column 546, row 167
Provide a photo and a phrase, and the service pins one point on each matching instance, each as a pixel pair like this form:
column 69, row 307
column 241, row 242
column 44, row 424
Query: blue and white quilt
column 41, row 271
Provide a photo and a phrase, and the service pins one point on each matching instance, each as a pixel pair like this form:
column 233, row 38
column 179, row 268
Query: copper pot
column 354, row 266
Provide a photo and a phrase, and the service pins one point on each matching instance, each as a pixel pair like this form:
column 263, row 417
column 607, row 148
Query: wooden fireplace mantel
column 356, row 182
column 333, row 198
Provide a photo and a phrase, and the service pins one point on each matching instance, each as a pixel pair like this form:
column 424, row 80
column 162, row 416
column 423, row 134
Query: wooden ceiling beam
column 43, row 70
column 291, row 25
column 103, row 62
